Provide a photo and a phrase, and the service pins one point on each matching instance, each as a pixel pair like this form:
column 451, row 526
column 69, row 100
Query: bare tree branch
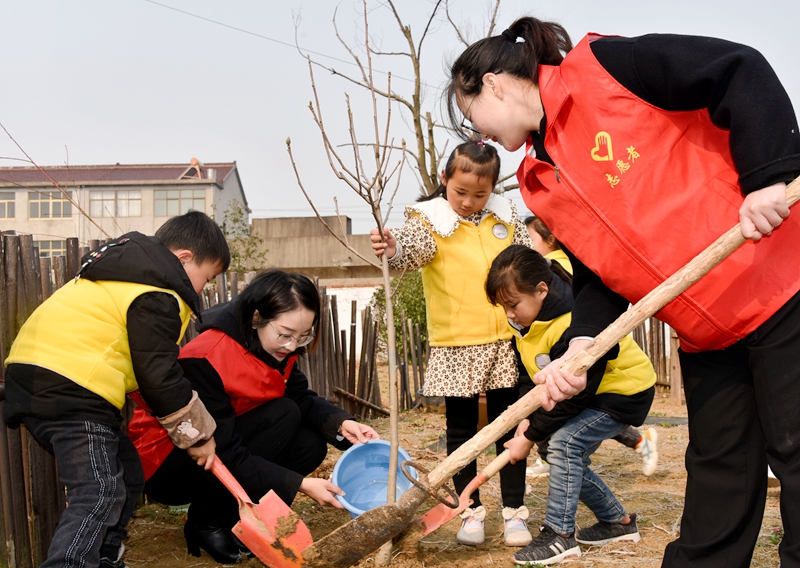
column 316, row 212
column 49, row 178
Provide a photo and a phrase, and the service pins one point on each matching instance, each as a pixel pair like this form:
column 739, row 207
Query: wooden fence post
column 675, row 376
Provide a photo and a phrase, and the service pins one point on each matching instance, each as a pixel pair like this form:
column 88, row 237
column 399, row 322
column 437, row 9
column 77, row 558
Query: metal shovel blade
column 270, row 529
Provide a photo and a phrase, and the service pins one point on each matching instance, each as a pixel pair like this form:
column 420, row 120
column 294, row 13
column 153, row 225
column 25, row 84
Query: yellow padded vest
column 81, row 332
column 455, row 298
column 630, row 373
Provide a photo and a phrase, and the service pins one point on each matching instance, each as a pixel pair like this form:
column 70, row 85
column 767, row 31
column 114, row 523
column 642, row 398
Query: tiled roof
column 74, row 175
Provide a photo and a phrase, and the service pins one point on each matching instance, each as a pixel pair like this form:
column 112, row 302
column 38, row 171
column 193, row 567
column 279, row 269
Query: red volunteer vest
column 639, row 191
column 248, row 382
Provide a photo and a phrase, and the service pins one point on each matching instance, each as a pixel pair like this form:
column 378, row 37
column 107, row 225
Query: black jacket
column 154, row 326
column 626, row 409
column 256, row 474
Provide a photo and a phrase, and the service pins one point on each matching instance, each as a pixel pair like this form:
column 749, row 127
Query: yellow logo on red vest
column 603, row 152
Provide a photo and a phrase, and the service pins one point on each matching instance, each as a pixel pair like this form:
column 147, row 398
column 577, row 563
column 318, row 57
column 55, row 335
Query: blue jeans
column 571, row 478
column 103, row 475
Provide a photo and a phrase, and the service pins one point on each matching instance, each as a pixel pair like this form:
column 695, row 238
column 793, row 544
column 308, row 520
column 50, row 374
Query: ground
column 156, row 536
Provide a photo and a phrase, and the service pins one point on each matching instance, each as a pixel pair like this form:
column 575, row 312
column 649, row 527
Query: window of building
column 115, row 203
column 170, row 202
column 49, row 205
column 6, row 204
column 51, row 248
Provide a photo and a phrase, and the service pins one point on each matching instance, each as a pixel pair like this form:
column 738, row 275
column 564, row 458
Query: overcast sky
column 145, row 81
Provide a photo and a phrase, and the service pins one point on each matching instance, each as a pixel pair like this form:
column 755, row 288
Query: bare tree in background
column 368, row 170
column 425, row 155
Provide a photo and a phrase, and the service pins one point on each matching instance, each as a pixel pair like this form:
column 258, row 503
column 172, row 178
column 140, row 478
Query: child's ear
column 256, row 319
column 542, row 289
column 444, row 178
column 184, row 255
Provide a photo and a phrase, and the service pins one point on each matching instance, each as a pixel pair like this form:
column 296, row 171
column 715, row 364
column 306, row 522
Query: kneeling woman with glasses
column 272, row 430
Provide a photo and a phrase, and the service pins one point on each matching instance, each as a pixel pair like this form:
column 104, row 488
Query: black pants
column 271, row 432
column 743, row 414
column 462, row 424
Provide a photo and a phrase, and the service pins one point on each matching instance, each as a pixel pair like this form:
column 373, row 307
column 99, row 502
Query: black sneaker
column 603, row 533
column 113, row 560
column 548, row 548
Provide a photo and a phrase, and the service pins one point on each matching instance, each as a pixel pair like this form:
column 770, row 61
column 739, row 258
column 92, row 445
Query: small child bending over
column 453, row 235
column 619, row 391
column 644, row 442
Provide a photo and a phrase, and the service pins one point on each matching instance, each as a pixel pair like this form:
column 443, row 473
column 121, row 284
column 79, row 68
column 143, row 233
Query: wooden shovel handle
column 581, row 361
column 496, row 464
column 227, row 479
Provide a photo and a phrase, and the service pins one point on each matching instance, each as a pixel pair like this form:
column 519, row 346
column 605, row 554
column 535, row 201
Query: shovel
column 366, row 533
column 270, row 529
column 441, row 513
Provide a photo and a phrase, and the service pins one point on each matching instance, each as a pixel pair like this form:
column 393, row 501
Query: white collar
column 444, row 221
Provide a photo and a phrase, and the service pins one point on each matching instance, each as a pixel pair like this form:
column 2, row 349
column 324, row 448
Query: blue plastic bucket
column 363, row 473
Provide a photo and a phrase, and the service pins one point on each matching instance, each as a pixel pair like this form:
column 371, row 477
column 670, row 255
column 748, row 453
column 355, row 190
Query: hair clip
column 480, row 143
column 512, row 36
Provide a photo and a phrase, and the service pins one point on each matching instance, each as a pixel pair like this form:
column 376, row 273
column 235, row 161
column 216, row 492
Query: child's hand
column 518, row 448
column 379, row 246
column 355, row 432
column 762, row 211
column 322, row 491
column 561, row 385
column 203, row 453
column 521, row 427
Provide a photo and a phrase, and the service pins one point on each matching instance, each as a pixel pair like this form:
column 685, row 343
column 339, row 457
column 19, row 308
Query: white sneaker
column 772, row 481
column 471, row 532
column 647, row 447
column 516, row 529
column 540, row 469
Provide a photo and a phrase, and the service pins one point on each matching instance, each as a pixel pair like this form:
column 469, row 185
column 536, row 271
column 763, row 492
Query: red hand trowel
column 441, row 513
column 270, row 529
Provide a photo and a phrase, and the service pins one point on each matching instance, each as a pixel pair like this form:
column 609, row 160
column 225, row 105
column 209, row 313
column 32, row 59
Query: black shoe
column 217, row 541
column 112, row 559
column 548, row 548
column 603, row 533
column 242, row 548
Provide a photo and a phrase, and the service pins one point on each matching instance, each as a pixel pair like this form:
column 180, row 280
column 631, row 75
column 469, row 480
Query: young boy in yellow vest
column 113, row 329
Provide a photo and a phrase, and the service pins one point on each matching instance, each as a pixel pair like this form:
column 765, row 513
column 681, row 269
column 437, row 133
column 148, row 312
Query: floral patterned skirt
column 471, row 369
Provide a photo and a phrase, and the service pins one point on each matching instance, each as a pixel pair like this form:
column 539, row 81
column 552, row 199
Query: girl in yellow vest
column 453, row 235
column 619, row 391
column 644, row 442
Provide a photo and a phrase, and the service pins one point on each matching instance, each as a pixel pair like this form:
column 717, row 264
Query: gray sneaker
column 603, row 533
column 548, row 548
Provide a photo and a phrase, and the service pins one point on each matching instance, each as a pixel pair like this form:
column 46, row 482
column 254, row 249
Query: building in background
column 303, row 244
column 118, row 198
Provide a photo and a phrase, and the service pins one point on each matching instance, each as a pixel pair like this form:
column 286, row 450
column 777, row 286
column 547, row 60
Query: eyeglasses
column 466, row 124
column 286, row 340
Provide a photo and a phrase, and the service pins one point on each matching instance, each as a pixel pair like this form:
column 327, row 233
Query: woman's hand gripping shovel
column 270, row 529
column 366, row 533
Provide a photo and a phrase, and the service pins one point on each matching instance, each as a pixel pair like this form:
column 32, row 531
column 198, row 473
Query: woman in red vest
column 272, row 430
column 640, row 152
